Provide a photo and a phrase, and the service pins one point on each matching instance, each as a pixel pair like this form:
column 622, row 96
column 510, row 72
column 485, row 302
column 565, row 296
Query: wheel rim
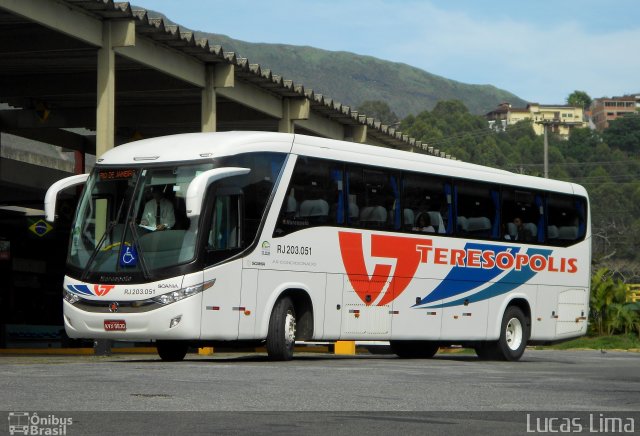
column 290, row 328
column 514, row 334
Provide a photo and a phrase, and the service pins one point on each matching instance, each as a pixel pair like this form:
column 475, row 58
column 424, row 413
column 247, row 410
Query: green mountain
column 352, row 79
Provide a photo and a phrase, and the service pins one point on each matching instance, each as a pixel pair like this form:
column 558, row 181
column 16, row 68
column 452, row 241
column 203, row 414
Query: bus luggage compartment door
column 572, row 311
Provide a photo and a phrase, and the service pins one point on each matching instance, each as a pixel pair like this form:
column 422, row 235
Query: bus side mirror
column 201, row 183
column 52, row 193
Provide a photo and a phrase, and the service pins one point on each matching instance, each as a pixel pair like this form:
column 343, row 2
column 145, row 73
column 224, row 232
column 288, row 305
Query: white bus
column 271, row 238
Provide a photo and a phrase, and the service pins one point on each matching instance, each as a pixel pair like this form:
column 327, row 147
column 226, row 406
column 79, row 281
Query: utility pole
column 546, row 124
column 546, row 151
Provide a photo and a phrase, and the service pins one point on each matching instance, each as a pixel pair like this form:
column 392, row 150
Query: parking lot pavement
column 380, row 385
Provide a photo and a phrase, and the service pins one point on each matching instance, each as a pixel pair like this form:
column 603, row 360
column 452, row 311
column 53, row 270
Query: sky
column 540, row 50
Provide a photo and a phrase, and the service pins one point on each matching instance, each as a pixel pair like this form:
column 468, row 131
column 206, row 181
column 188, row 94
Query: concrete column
column 105, row 113
column 358, row 134
column 114, row 34
column 292, row 110
column 285, row 125
column 120, row 33
column 216, row 76
column 209, row 115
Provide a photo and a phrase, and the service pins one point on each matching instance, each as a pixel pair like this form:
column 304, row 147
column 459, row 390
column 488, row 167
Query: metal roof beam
column 322, row 126
column 168, row 61
column 59, row 17
column 61, row 138
column 254, row 97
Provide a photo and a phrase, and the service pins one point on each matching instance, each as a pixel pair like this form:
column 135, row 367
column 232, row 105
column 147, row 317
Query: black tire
column 172, row 351
column 282, row 331
column 414, row 349
column 488, row 351
column 514, row 334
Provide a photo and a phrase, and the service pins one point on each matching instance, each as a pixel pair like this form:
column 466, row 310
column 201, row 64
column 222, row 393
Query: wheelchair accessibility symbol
column 128, row 256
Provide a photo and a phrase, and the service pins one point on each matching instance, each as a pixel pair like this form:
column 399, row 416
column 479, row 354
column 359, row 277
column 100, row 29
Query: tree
column 607, row 295
column 622, row 318
column 624, row 133
column 579, row 99
column 378, row 109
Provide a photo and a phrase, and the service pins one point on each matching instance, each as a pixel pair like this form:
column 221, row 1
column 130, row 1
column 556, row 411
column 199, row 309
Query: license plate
column 115, row 325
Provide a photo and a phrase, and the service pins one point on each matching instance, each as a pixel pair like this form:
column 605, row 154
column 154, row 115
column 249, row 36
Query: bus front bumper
column 179, row 320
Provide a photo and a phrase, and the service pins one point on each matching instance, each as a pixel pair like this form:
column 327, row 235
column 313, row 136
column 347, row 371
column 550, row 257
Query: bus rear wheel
column 514, row 334
column 172, row 351
column 281, row 336
column 414, row 349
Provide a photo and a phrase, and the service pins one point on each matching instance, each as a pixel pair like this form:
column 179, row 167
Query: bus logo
column 408, row 253
column 471, row 267
column 101, row 290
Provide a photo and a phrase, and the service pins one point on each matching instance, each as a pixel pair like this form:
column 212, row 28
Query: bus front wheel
column 172, row 351
column 282, row 330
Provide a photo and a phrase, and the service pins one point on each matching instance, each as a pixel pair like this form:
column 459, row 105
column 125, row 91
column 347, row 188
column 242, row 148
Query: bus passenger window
column 314, row 197
column 478, row 211
column 424, row 197
column 522, row 216
column 566, row 221
column 374, row 198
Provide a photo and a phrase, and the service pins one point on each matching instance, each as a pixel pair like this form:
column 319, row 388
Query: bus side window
column 522, row 216
column 226, row 232
column 314, row 196
column 566, row 219
column 424, row 204
column 226, row 229
column 478, row 210
column 373, row 198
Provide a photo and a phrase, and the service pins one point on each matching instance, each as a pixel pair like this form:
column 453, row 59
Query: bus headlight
column 70, row 297
column 172, row 297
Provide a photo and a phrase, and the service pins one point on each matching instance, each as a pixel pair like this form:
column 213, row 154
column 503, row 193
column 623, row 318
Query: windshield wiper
column 96, row 250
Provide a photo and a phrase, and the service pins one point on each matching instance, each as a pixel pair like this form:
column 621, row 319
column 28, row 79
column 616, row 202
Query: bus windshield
column 134, row 220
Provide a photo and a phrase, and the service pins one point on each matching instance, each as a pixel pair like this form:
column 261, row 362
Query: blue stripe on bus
column 463, row 279
column 508, row 283
column 80, row 289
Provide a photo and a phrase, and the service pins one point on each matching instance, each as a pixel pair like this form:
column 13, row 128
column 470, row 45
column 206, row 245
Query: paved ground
column 384, row 387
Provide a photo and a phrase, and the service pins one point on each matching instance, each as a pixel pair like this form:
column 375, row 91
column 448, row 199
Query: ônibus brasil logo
column 473, row 266
column 98, row 290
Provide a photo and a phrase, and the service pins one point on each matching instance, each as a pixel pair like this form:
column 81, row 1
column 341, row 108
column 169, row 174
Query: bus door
column 222, row 308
